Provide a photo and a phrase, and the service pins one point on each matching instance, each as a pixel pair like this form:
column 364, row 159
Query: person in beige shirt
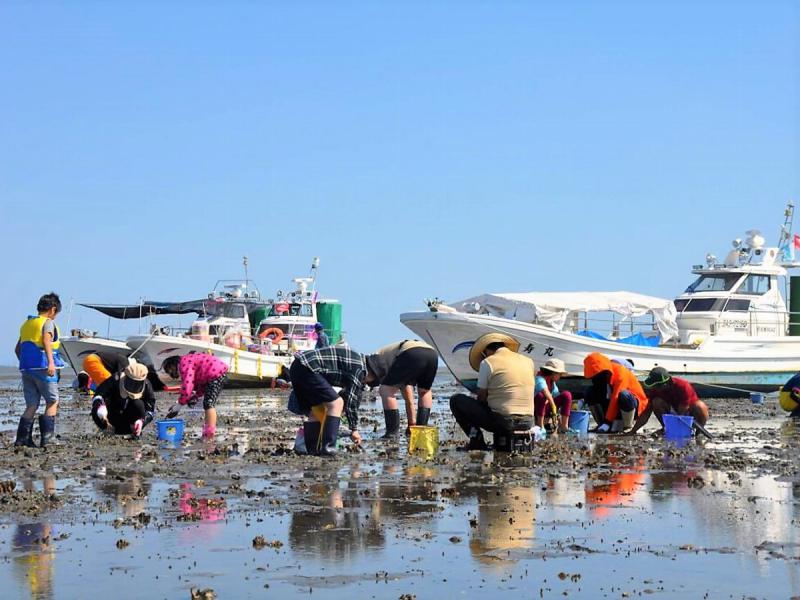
column 506, row 381
column 411, row 363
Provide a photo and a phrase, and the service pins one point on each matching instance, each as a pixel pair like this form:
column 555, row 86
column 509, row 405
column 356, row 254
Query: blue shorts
column 34, row 388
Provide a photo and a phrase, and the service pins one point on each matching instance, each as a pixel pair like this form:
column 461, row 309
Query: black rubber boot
column 330, row 433
column 423, row 414
column 47, row 430
column 392, row 418
column 25, row 433
column 311, row 431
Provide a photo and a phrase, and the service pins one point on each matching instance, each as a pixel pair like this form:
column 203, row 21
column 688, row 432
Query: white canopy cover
column 553, row 308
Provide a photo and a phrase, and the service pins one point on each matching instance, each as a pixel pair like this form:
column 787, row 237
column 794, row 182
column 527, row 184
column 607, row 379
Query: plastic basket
column 678, row 426
column 170, row 430
column 757, row 397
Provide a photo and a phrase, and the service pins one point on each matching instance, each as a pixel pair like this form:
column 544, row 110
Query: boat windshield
column 227, row 309
column 714, row 283
column 286, row 309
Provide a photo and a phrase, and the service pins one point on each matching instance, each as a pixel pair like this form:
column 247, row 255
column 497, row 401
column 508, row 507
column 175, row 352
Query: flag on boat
column 796, row 242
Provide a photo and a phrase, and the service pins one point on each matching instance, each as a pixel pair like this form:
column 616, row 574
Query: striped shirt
column 341, row 367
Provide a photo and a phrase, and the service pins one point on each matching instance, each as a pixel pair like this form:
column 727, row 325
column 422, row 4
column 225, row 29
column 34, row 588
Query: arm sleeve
column 484, row 373
column 187, row 382
column 149, row 398
column 541, row 384
column 352, row 400
column 616, row 388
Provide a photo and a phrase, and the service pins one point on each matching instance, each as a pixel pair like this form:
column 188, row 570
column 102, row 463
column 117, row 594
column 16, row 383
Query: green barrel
column 330, row 315
column 794, row 305
column 258, row 315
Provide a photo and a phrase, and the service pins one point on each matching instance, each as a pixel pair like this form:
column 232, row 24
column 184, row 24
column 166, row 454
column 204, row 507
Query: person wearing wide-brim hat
column 670, row 395
column 125, row 402
column 547, row 395
column 505, row 386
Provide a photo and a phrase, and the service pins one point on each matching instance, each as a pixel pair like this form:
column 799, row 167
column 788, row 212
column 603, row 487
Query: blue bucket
column 170, row 430
column 677, row 427
column 757, row 397
column 579, row 421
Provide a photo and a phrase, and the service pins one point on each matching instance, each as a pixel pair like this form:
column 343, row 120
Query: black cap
column 658, row 376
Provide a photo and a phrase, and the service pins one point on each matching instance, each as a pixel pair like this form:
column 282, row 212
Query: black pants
column 212, row 391
column 121, row 414
column 470, row 413
column 309, row 387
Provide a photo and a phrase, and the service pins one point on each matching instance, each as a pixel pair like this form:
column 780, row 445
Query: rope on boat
column 147, row 339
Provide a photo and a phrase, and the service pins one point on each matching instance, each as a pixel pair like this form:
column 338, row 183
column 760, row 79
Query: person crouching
column 615, row 393
column 201, row 375
column 547, row 395
column 671, row 395
column 125, row 402
column 506, row 381
column 789, row 396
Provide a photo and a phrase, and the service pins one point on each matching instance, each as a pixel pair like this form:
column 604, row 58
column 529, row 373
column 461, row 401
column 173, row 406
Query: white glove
column 603, row 428
column 137, row 427
column 102, row 412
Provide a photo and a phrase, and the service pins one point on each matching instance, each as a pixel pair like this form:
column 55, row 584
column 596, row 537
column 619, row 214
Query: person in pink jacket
column 200, row 374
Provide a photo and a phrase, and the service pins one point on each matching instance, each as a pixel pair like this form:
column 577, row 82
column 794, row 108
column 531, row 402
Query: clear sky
column 418, row 148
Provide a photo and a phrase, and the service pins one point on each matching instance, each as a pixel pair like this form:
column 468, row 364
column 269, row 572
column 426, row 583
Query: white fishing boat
column 729, row 332
column 81, row 343
column 255, row 336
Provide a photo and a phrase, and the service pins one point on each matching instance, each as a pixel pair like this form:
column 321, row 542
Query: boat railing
column 610, row 324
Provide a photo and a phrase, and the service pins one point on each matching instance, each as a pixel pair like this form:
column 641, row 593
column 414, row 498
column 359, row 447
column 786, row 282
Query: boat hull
column 245, row 369
column 77, row 349
column 718, row 366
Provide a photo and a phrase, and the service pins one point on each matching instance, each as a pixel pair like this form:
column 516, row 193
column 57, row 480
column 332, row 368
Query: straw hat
column 478, row 348
column 555, row 365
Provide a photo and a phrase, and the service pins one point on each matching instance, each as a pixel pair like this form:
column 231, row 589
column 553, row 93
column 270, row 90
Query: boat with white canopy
column 729, row 332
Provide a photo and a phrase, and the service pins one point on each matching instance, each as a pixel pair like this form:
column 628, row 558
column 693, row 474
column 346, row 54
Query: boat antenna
column 246, row 280
column 786, row 239
column 313, row 272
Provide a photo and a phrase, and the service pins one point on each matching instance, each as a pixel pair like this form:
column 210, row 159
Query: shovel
column 697, row 427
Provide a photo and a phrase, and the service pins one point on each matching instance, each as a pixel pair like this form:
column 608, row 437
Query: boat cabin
column 738, row 297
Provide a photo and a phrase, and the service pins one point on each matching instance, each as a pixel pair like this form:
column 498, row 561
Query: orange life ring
column 272, row 331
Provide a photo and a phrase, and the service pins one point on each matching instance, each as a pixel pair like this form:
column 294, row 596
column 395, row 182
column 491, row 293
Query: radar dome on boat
column 754, row 239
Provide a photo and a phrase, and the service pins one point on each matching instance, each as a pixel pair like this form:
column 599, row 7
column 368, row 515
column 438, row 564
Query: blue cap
column 319, row 326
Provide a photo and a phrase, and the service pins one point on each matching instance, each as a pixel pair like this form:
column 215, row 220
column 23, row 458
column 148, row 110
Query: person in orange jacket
column 615, row 393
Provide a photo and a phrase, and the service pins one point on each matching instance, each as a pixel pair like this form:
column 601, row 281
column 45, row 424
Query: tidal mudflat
column 594, row 517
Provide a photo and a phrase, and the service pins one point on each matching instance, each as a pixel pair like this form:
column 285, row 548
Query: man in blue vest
column 39, row 363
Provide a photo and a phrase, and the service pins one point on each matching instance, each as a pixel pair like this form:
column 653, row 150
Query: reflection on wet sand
column 34, row 550
column 129, row 495
column 333, row 524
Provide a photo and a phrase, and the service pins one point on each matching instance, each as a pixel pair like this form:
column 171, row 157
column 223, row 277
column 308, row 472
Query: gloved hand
column 148, row 418
column 795, row 393
column 604, row 428
column 137, row 427
column 192, row 402
column 173, row 411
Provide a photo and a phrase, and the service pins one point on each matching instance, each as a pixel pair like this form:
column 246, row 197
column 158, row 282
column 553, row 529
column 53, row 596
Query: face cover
column 132, row 387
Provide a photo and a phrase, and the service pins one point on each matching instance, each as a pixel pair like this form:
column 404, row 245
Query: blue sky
column 420, row 149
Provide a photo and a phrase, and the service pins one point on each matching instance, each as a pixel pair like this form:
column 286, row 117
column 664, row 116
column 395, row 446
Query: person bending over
column 548, row 398
column 670, row 395
column 411, row 363
column 202, row 376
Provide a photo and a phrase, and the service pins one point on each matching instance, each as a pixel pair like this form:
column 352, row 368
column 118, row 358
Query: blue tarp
column 637, row 339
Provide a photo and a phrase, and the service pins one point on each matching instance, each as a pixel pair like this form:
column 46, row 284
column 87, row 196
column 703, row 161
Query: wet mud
column 243, row 516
